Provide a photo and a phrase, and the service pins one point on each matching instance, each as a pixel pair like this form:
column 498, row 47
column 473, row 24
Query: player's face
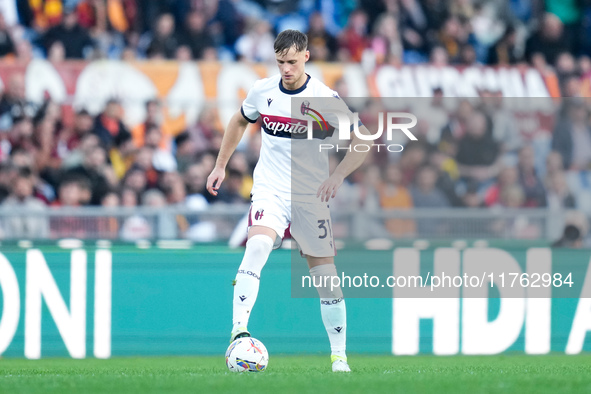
column 291, row 65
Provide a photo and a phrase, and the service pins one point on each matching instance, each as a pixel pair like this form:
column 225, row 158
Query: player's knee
column 326, row 281
column 258, row 249
column 259, row 244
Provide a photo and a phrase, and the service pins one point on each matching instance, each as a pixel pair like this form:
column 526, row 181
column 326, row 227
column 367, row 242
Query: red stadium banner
column 188, row 88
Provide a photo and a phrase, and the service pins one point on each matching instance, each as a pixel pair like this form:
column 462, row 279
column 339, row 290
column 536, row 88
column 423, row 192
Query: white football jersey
column 284, row 133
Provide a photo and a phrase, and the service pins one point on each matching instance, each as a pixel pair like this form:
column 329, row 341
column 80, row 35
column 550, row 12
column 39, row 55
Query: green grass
column 301, row 374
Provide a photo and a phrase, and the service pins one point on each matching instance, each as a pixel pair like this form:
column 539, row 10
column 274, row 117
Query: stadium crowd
column 470, row 154
column 464, row 32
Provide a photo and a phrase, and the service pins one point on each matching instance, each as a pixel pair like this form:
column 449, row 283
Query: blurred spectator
column 163, row 42
column 554, row 164
column 256, row 44
column 14, row 103
column 436, row 12
column 8, row 175
column 183, row 54
column 108, row 226
column 414, row 28
column 503, row 52
column 559, row 196
column 195, row 178
column 176, row 195
column 74, row 38
column 366, row 183
column 572, row 136
column 447, row 176
column 438, row 57
column 571, row 238
column 565, row 67
column 45, row 143
column 512, row 197
column 117, row 15
column 477, row 150
column 94, row 168
column 426, row 195
column 166, row 226
column 229, row 192
column 206, row 128
column 535, row 194
column 21, row 134
column 224, row 22
column 74, row 191
column 136, row 180
column 7, row 46
column 468, row 56
column 549, row 40
column 185, row 151
column 135, row 226
column 24, row 51
column 571, row 86
column 424, row 192
column 508, row 177
column 386, row 42
column 144, row 160
column 570, row 14
column 197, row 38
column 413, row 156
column 322, row 45
column 154, row 118
column 353, row 39
column 70, row 138
column 452, row 37
column 75, row 157
column 457, row 124
column 56, row 53
column 432, row 113
column 504, row 123
column 34, row 224
column 393, row 195
column 108, row 125
column 472, row 199
column 239, row 163
column 43, row 14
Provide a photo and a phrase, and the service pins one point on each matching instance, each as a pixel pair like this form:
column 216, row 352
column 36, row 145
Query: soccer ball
column 247, row 354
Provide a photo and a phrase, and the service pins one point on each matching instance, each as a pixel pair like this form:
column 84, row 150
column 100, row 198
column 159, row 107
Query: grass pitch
column 301, row 374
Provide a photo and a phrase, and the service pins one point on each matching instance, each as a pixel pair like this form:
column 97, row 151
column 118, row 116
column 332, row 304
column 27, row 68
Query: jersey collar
column 299, row 90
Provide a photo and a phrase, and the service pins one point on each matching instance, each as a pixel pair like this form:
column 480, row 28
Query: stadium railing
column 219, row 222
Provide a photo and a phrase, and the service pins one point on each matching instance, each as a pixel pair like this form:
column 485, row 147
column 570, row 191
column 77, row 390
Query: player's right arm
column 232, row 136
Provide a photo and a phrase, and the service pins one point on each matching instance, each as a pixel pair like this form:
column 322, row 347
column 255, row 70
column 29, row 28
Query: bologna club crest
column 259, row 214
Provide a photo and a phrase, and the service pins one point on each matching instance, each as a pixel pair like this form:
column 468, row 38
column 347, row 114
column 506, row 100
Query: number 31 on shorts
column 324, row 226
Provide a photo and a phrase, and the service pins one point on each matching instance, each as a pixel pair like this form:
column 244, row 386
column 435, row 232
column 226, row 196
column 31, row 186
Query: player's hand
column 214, row 180
column 328, row 188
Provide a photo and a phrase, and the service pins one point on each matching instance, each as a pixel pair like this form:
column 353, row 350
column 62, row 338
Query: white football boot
column 238, row 332
column 339, row 364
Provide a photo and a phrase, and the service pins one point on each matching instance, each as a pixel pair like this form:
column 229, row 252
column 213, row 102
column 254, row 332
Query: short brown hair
column 290, row 38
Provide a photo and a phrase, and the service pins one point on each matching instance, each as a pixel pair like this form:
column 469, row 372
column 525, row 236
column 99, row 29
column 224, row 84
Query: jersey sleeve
column 335, row 103
column 249, row 105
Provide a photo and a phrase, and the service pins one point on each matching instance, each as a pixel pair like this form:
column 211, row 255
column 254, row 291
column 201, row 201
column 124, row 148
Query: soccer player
column 273, row 202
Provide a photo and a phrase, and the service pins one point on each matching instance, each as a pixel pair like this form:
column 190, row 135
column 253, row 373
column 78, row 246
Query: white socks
column 332, row 308
column 246, row 287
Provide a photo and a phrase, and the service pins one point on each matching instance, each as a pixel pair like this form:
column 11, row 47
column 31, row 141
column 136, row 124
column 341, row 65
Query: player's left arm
column 351, row 161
